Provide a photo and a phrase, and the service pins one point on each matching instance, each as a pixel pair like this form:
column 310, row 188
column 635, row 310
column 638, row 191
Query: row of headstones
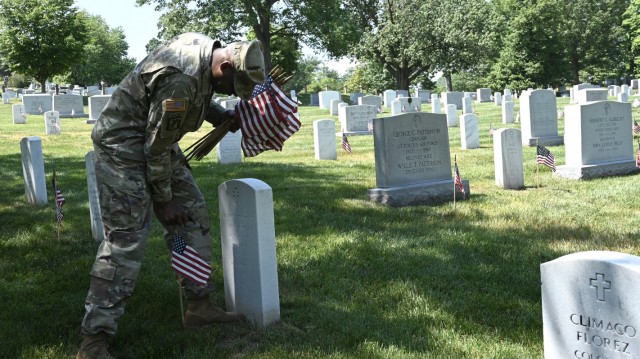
column 587, row 92
column 96, row 105
column 247, row 229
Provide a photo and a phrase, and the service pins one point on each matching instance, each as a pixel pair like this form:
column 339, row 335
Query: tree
column 532, row 53
column 593, row 38
column 303, row 76
column 395, row 41
column 318, row 23
column 41, row 38
column 460, row 36
column 105, row 54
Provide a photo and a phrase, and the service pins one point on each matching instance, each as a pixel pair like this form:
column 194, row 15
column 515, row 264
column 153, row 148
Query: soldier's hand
column 235, row 125
column 171, row 213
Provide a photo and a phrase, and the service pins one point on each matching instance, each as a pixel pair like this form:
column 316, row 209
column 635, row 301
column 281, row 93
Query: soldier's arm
column 169, row 104
column 216, row 114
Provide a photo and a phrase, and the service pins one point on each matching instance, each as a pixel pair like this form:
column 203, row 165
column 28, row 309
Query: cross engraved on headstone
column 600, row 285
column 607, row 107
column 417, row 121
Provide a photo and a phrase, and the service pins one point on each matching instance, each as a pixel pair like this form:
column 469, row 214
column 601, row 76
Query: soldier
column 140, row 167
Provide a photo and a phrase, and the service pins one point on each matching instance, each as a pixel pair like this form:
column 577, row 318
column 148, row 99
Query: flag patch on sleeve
column 174, row 105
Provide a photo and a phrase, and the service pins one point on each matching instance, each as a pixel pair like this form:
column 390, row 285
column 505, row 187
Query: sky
column 139, row 24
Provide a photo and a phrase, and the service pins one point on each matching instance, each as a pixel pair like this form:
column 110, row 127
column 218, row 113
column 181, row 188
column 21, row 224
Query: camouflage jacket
column 167, row 95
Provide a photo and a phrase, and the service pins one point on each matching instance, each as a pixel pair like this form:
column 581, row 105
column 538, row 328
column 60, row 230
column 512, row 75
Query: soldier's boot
column 201, row 312
column 94, row 347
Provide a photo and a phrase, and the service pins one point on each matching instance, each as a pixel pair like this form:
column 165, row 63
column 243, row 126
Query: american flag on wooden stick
column 267, row 119
column 188, row 263
column 59, row 198
column 636, row 127
column 545, row 157
column 457, row 180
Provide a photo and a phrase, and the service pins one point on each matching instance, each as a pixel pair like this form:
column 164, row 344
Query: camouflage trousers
column 126, row 206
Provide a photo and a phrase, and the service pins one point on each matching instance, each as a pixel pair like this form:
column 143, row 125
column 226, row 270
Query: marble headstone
column 35, row 187
column 388, row 96
column 52, row 123
column 452, row 115
column 375, row 101
column 412, row 159
column 483, row 95
column 325, row 98
column 598, row 141
column 249, row 260
column 324, row 139
column 507, row 158
column 354, row 120
column 469, row 134
column 539, row 118
column 18, row 114
column 449, row 98
column 96, row 104
column 68, row 105
column 37, row 104
column 590, row 306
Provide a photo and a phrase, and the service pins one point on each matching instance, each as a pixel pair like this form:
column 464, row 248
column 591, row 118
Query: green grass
column 356, row 279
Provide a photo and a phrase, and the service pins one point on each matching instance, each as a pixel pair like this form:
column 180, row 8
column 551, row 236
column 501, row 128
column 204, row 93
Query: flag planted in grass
column 457, row 180
column 188, row 263
column 638, row 156
column 59, row 198
column 345, row 144
column 545, row 157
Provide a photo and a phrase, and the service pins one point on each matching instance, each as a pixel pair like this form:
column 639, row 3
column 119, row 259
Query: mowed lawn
column 356, row 279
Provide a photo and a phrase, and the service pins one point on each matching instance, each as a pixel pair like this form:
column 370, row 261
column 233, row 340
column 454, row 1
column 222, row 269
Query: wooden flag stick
column 179, row 280
column 454, row 183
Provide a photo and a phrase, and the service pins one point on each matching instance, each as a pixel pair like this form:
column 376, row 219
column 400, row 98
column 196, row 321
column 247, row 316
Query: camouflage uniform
column 138, row 162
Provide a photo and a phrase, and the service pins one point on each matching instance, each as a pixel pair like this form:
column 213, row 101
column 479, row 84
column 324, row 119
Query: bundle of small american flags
column 267, row 119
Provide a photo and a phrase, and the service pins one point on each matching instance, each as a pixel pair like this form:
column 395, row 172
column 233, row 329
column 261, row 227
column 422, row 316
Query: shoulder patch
column 174, row 105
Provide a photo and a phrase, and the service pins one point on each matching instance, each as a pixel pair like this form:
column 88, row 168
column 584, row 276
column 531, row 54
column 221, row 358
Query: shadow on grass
column 351, row 274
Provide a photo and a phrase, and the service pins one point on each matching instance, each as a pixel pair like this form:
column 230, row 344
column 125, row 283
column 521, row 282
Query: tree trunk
column 402, row 79
column 448, row 82
column 42, row 86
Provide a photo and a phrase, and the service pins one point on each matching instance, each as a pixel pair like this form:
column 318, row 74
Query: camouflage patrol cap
column 248, row 61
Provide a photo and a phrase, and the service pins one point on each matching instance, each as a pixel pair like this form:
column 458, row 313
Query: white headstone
column 497, row 98
column 435, row 104
column 623, row 97
column 507, row 158
column 52, row 123
column 598, row 141
column 452, row 116
column 325, row 97
column 410, row 104
column 507, row 97
column 412, row 158
column 249, row 250
column 333, row 109
column 507, row 112
column 402, row 93
column 423, row 95
column 324, row 139
column 96, row 104
column 590, row 95
column 5, row 98
column 590, row 306
column 483, row 95
column 539, row 118
column 37, row 104
column 388, row 96
column 97, row 226
column 396, row 107
column 35, row 187
column 634, row 84
column 19, row 116
column 454, row 98
column 68, row 105
column 229, row 148
column 356, row 118
column 469, row 134
column 375, row 101
column 467, row 106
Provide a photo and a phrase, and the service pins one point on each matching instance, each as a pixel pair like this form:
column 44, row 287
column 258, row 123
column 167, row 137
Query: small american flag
column 59, row 198
column 267, row 119
column 545, row 157
column 345, row 144
column 186, row 262
column 638, row 156
column 491, row 130
column 370, row 125
column 636, row 127
column 457, row 180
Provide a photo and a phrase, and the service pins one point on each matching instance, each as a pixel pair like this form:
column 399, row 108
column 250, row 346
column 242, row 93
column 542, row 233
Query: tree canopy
column 41, row 38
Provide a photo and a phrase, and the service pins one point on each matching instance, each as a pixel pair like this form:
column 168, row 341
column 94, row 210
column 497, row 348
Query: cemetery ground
column 356, row 279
